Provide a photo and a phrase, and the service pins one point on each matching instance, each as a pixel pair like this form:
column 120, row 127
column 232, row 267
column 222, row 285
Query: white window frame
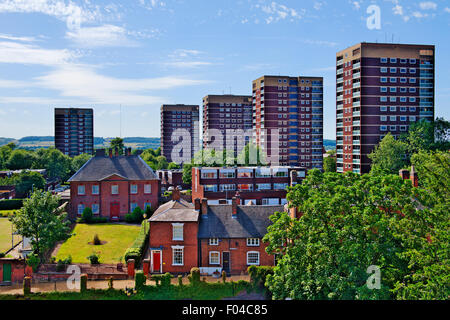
column 83, row 188
column 175, row 231
column 98, row 208
column 174, row 250
column 82, row 206
column 253, row 263
column 133, row 188
column 253, row 242
column 113, row 188
column 147, row 188
column 213, row 241
column 98, row 189
column 218, row 258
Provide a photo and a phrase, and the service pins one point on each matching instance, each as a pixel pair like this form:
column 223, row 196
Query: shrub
column 111, row 283
column 87, row 215
column 137, row 248
column 224, row 276
column 99, row 220
column 136, row 216
column 61, row 265
column 180, row 280
column 33, row 261
column 83, row 283
column 11, row 204
column 96, row 240
column 139, row 280
column 194, row 277
column 162, row 279
column 258, row 275
column 94, row 258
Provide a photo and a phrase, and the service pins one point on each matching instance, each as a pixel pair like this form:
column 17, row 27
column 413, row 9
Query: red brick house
column 13, row 270
column 230, row 236
column 113, row 186
column 211, row 237
column 173, row 243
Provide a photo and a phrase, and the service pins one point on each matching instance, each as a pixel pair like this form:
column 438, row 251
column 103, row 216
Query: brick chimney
column 414, row 178
column 204, row 207
column 197, row 203
column 404, row 174
column 234, row 204
column 110, row 153
column 176, row 194
column 293, row 177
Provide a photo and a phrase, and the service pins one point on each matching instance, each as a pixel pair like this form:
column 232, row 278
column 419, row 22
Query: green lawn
column 118, row 238
column 5, row 235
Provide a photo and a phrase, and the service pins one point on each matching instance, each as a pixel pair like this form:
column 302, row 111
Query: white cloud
column 87, row 84
column 13, row 52
column 103, row 36
column 321, row 43
column 279, row 12
column 447, row 9
column 428, row 5
column 70, row 13
column 12, row 84
column 14, row 38
column 186, row 58
column 398, row 10
column 318, row 5
column 187, row 64
column 356, row 5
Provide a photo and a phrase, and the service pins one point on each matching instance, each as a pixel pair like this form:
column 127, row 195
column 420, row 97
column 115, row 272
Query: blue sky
column 143, row 53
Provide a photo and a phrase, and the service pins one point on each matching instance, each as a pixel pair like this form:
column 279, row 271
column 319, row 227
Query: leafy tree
column 351, row 222
column 27, row 181
column 187, row 173
column 79, row 161
column 426, row 136
column 40, row 220
column 20, row 159
column 5, row 152
column 57, row 164
column 161, row 163
column 173, row 165
column 252, row 155
column 329, row 163
column 117, row 144
column 389, row 156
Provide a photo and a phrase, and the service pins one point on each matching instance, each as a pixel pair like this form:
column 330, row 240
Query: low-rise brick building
column 113, row 186
column 211, row 237
column 256, row 185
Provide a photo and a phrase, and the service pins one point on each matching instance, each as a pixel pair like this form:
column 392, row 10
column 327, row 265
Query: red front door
column 115, row 210
column 156, row 258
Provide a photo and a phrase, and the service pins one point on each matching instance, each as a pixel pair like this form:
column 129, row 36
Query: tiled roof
column 250, row 221
column 175, row 211
column 100, row 167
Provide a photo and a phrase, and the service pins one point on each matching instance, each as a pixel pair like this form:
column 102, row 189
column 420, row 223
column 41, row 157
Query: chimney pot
column 234, row 204
column 414, row 177
column 176, row 194
column 197, row 204
column 204, row 206
column 110, row 153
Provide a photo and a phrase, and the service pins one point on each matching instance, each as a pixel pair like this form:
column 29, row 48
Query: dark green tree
column 329, row 163
column 79, row 161
column 28, row 181
column 20, row 159
column 117, row 144
column 40, row 220
column 389, row 156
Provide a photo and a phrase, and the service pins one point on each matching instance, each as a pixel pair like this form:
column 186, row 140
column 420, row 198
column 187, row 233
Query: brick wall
column 161, row 237
column 238, row 254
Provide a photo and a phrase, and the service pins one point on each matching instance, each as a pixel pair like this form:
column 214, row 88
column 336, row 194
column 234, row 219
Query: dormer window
column 252, row 242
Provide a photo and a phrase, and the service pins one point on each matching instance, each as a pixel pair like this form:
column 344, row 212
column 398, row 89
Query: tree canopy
column 352, row 222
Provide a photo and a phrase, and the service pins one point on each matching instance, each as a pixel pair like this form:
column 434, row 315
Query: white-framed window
column 252, row 242
column 147, row 204
column 95, row 189
column 383, row 79
column 253, row 258
column 133, row 206
column 383, row 118
column 95, row 208
column 177, row 231
column 80, row 209
column 383, row 60
column 133, row 188
column 81, row 190
column 177, row 255
column 114, row 189
column 214, row 257
column 214, row 241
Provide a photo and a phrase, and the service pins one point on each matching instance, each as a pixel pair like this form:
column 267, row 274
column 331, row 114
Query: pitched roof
column 176, row 211
column 250, row 221
column 100, row 167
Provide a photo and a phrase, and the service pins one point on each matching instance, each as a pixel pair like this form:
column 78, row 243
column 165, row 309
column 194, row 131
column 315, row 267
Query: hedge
column 258, row 274
column 11, row 204
column 137, row 248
